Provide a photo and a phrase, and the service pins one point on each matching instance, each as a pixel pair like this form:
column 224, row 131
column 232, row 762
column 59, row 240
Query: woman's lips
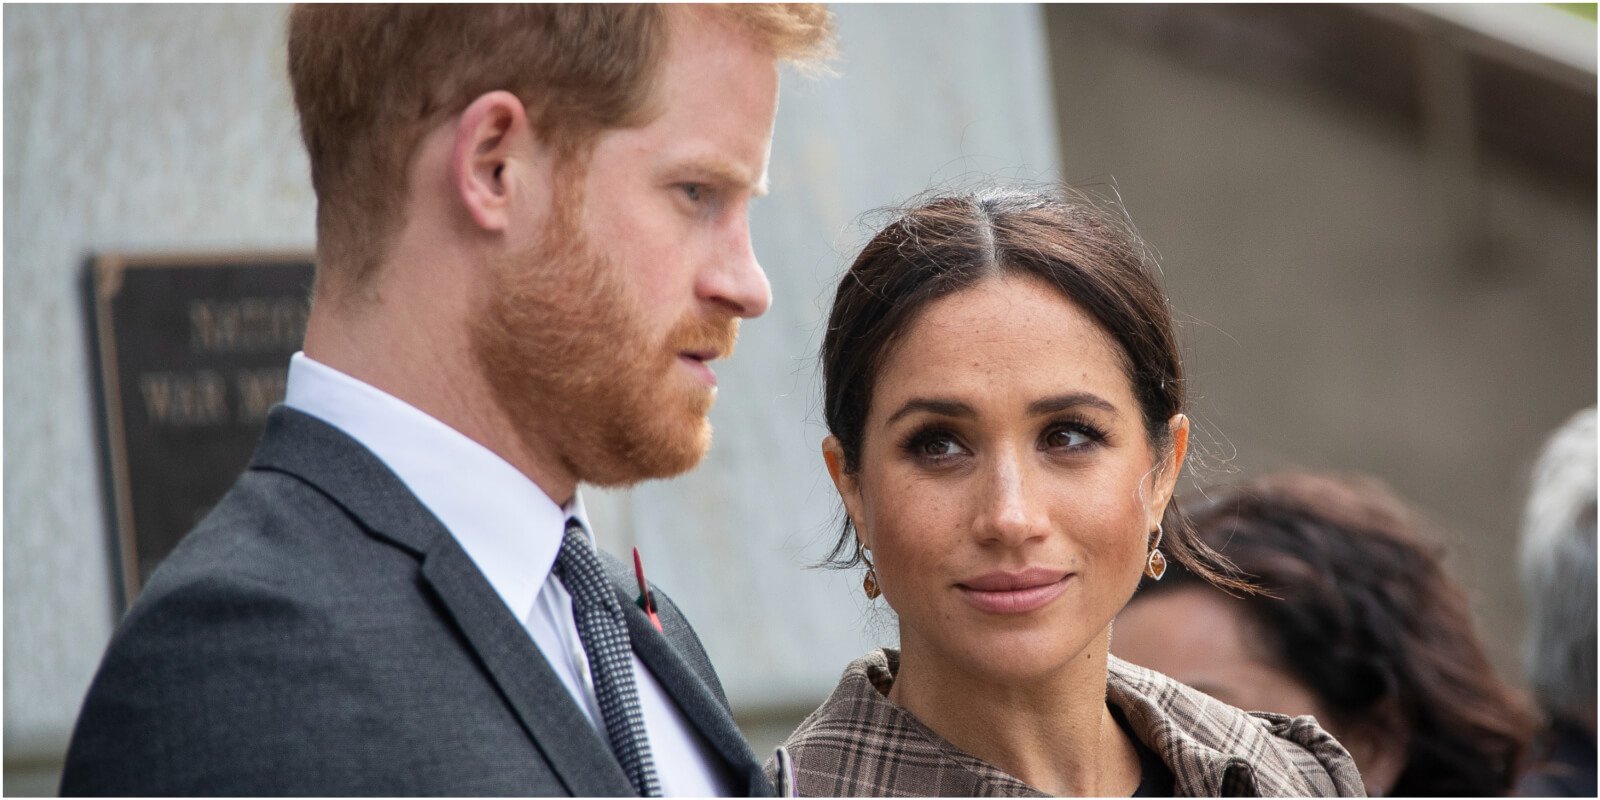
column 1014, row 592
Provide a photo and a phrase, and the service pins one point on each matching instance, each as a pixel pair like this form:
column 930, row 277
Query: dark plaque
column 192, row 352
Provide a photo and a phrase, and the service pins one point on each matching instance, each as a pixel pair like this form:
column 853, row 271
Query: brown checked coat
column 859, row 743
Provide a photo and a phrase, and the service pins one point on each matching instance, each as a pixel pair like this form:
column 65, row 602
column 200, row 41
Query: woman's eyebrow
column 945, row 408
column 1048, row 405
column 1062, row 402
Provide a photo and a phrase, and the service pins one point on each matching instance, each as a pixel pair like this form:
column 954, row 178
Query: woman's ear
column 849, row 489
column 1166, row 476
column 493, row 144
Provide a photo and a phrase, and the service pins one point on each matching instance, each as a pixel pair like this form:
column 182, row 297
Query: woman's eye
column 934, row 447
column 1068, row 438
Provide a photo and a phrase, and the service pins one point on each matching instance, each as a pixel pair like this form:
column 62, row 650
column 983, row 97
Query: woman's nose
column 1012, row 512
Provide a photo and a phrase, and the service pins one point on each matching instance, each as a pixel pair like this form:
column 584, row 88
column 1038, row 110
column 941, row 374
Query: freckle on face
column 998, row 347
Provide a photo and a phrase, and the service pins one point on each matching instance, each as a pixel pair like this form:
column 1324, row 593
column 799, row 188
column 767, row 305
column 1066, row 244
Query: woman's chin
column 1017, row 657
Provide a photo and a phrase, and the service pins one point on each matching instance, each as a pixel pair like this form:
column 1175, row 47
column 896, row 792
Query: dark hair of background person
column 1360, row 609
column 943, row 245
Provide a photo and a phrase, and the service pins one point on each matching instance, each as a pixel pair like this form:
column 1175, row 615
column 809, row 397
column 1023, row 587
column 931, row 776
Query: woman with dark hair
column 1004, row 396
column 1359, row 626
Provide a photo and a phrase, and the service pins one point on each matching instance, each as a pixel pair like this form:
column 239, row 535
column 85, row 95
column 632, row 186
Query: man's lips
column 696, row 361
column 1014, row 592
column 705, row 354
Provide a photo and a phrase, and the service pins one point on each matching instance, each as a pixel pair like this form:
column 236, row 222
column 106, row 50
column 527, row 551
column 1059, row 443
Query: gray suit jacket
column 321, row 633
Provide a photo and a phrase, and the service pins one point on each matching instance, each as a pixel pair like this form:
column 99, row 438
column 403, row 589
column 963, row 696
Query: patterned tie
column 605, row 637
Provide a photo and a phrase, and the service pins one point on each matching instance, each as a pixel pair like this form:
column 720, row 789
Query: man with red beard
column 532, row 240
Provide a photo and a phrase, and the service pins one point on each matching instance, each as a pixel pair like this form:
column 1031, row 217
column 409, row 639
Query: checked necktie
column 604, row 633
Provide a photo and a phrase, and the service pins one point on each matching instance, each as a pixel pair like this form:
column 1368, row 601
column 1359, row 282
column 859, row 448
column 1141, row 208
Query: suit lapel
column 530, row 686
column 325, row 457
column 699, row 705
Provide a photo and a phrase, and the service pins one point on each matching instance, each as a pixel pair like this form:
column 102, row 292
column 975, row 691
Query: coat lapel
column 570, row 743
column 699, row 705
column 349, row 474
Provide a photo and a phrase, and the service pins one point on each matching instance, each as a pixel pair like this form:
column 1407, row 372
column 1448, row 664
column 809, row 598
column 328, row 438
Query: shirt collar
column 509, row 527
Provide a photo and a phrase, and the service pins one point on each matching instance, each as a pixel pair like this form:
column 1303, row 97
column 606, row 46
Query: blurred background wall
column 1377, row 223
column 1380, row 222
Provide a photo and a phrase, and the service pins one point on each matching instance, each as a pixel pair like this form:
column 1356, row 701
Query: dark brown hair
column 1364, row 614
column 370, row 80
column 1080, row 246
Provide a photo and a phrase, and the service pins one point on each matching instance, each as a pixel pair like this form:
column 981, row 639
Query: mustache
column 718, row 334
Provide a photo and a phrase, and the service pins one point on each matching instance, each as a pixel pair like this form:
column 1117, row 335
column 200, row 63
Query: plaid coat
column 861, row 744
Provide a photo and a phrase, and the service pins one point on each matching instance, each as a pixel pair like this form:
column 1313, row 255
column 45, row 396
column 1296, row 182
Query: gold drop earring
column 869, row 583
column 1155, row 565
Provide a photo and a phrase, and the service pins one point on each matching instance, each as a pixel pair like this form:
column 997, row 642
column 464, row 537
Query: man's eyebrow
column 944, row 408
column 723, row 172
column 1062, row 402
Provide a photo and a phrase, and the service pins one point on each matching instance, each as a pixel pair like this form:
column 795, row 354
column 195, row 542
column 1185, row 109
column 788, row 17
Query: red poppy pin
column 645, row 601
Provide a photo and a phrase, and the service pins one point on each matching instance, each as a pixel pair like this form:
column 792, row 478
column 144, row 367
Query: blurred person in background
column 1360, row 627
column 1004, row 397
column 1558, row 577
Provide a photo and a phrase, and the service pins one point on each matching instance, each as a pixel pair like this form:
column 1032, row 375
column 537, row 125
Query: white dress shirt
column 512, row 531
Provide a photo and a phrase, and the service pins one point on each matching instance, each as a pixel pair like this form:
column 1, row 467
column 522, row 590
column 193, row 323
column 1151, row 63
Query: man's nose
column 735, row 281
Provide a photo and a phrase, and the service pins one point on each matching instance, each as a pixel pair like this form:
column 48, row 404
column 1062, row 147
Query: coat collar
column 1217, row 750
column 1212, row 749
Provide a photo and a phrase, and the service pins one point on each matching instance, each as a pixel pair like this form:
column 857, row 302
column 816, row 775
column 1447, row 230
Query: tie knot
column 575, row 528
column 579, row 567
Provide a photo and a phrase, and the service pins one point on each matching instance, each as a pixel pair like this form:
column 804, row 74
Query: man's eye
column 692, row 191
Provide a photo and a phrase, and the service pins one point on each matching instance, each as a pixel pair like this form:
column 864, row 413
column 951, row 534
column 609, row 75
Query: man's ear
column 493, row 143
column 849, row 489
column 1166, row 476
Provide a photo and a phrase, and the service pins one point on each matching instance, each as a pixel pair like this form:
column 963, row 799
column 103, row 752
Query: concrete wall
column 128, row 129
column 168, row 128
column 1332, row 323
